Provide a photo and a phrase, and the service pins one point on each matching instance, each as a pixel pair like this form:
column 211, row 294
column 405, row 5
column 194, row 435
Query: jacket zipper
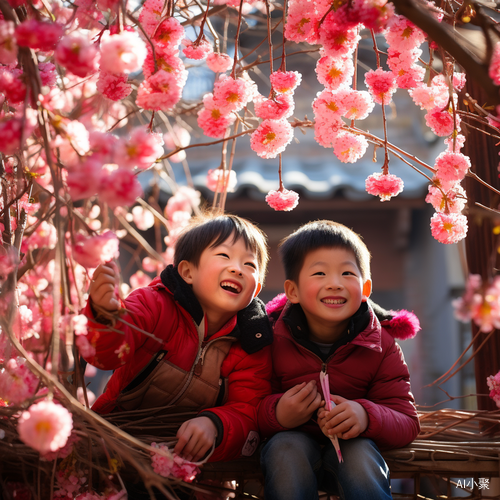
column 145, row 372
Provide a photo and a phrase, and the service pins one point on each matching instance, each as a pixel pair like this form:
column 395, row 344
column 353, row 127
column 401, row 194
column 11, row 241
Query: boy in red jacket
column 197, row 338
column 327, row 324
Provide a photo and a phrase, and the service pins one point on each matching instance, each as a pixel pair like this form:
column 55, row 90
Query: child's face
column 225, row 280
column 330, row 290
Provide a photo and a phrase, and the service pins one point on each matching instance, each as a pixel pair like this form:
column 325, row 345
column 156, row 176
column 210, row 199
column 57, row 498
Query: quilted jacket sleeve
column 249, row 382
column 393, row 420
column 116, row 346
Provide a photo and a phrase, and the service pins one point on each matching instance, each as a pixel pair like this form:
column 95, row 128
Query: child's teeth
column 332, row 301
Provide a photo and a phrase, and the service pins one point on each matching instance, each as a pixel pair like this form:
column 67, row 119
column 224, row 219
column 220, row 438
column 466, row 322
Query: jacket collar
column 252, row 327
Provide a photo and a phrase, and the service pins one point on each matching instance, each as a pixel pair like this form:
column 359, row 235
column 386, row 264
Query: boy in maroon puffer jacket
column 197, row 338
column 329, row 325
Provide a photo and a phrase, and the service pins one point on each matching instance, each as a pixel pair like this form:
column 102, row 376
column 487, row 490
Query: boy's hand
column 347, row 420
column 102, row 287
column 298, row 404
column 196, row 437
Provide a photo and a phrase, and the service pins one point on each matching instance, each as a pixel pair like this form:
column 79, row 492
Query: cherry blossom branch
column 236, row 39
column 484, row 183
column 269, row 37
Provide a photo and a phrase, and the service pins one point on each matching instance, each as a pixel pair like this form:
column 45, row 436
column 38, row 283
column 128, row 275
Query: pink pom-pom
column 403, row 325
column 284, row 200
column 277, row 303
column 384, row 185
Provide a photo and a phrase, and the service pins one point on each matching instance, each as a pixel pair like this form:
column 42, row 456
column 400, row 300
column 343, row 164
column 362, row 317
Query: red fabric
column 370, row 370
column 153, row 310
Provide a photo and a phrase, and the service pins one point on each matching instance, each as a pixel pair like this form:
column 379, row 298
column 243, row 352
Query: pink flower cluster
column 494, row 69
column 172, row 465
column 90, row 251
column 448, row 228
column 480, row 303
column 12, row 133
column 219, row 62
column 17, row 382
column 38, row 35
column 493, row 382
column 219, row 180
column 381, row 84
column 77, row 54
column 384, row 185
column 199, row 49
column 212, row 120
column 282, row 200
column 45, row 426
column 8, row 45
column 271, row 138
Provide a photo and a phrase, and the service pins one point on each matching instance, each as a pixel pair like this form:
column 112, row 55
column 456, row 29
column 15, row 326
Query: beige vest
column 169, row 385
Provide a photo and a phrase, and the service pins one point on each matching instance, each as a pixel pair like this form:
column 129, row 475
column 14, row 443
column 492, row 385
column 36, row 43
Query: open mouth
column 334, row 301
column 229, row 286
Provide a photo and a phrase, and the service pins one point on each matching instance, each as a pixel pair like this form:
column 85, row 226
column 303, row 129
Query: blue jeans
column 296, row 466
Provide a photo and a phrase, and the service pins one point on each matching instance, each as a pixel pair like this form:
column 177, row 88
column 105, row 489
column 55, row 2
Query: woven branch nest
column 466, row 440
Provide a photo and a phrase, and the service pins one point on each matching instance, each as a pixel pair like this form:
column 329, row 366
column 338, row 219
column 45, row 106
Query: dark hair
column 320, row 234
column 208, row 230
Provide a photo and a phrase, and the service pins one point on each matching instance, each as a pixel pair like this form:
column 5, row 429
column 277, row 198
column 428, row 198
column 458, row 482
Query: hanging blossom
column 448, row 228
column 160, row 92
column 12, row 85
column 301, row 21
column 282, row 200
column 197, row 50
column 119, row 187
column 150, row 15
column 122, row 53
column 219, row 62
column 13, row 127
column 326, row 131
column 349, row 148
column 494, row 69
column 372, row 14
column 334, row 72
column 271, row 138
column 140, row 149
column 274, row 108
column 38, row 35
column 478, row 304
column 442, row 122
column 142, row 217
column 429, row 97
column 457, row 142
column 337, row 40
column 168, row 34
column 233, row 94
column 17, row 382
column 184, row 199
column 452, row 200
column 83, row 180
column 285, row 81
column 212, row 120
column 219, row 180
column 114, row 86
column 384, row 185
column 90, row 251
column 381, row 85
column 77, row 54
column 403, row 35
column 172, row 465
column 493, row 382
column 45, row 426
column 358, row 104
column 451, row 168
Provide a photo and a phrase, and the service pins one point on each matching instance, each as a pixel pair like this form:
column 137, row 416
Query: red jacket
column 168, row 309
column 367, row 367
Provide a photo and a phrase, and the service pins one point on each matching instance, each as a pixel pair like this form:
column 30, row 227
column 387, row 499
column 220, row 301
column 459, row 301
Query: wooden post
column 482, row 245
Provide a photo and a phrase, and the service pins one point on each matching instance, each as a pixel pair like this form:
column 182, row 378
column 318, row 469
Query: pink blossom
column 219, row 62
column 384, row 185
column 337, row 40
column 494, row 69
column 451, row 168
column 459, row 80
column 373, row 14
column 326, row 131
column 87, row 350
column 8, row 45
column 452, row 201
column 77, row 55
column 435, row 96
column 44, row 236
column 457, row 143
column 12, row 85
column 151, row 266
column 184, row 199
column 441, row 122
column 411, row 77
column 282, row 200
column 103, row 146
column 220, row 180
column 493, row 382
column 381, row 85
column 334, row 73
column 197, row 50
column 47, row 74
column 170, row 464
column 114, row 86
column 212, row 120
column 139, row 279
column 11, row 131
column 463, row 305
column 17, row 382
column 403, row 35
column 38, row 35
column 349, row 148
column 105, row 5
column 72, row 142
column 119, row 187
column 232, row 94
column 140, row 149
column 448, row 228
column 122, row 53
column 159, row 92
column 79, row 324
column 90, row 251
column 328, row 106
column 301, row 21
column 271, row 138
column 358, row 104
column 46, row 426
column 90, row 396
column 83, row 180
column 65, row 450
column 169, row 34
column 143, row 218
column 150, row 15
column 285, row 81
column 274, row 108
column 168, row 61
column 402, row 60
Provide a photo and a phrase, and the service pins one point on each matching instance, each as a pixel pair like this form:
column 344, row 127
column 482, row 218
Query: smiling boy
column 325, row 323
column 206, row 342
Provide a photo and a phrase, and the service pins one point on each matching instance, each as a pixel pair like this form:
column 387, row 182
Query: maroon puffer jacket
column 370, row 370
column 168, row 309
